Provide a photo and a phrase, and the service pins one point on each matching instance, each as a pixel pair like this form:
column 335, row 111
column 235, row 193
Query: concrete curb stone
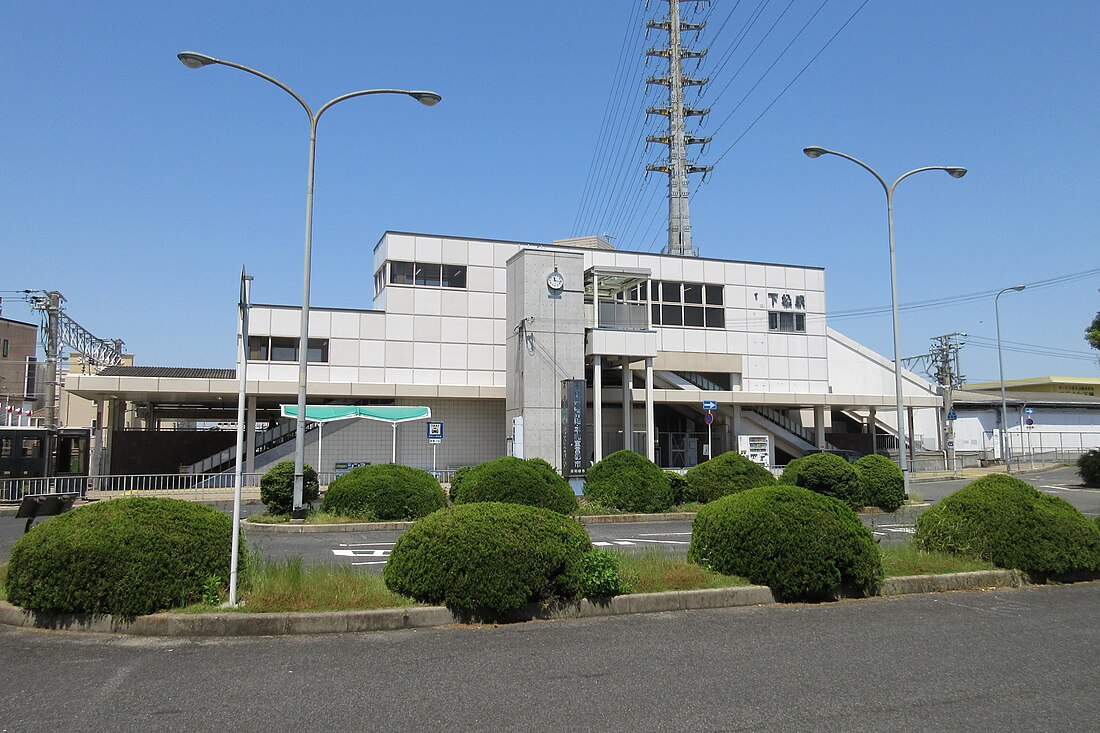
column 418, row 617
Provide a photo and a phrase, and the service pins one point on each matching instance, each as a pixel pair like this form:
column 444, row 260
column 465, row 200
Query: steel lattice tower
column 677, row 166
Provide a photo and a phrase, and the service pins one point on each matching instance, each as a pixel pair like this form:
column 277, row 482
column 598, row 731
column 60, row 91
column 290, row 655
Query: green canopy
column 383, row 413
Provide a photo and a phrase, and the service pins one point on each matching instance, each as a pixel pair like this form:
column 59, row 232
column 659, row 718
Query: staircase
column 225, row 460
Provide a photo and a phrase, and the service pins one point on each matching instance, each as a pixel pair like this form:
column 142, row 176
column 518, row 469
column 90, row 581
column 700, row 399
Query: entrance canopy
column 382, row 413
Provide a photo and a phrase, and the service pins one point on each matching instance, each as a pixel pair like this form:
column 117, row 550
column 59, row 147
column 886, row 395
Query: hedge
column 532, row 482
column 790, row 472
column 127, row 556
column 725, row 474
column 1003, row 520
column 489, row 558
column 831, row 475
column 803, row 545
column 881, row 481
column 384, row 491
column 277, row 487
column 1088, row 467
column 629, row 482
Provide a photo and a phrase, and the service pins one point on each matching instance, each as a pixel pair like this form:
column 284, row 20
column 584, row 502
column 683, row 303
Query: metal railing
column 625, row 316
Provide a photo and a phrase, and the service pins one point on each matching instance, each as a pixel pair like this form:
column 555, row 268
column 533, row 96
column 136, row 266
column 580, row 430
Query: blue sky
column 138, row 188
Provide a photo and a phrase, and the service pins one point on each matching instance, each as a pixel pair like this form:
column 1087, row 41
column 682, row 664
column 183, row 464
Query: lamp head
column 956, row 172
column 1018, row 288
column 428, row 99
column 195, row 60
column 814, row 151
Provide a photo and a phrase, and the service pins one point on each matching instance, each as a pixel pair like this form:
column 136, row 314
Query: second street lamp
column 197, row 61
column 954, row 172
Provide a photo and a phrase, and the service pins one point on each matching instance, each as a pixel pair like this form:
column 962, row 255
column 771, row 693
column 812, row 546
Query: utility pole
column 944, row 352
column 677, row 139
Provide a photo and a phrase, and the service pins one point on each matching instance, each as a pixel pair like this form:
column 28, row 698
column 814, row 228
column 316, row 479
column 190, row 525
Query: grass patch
column 653, row 572
column 271, row 586
column 313, row 516
column 595, row 509
column 905, row 560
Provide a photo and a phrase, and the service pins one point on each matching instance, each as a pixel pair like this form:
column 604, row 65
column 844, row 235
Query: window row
column 786, row 321
column 431, row 274
column 285, row 348
column 667, row 291
column 688, row 315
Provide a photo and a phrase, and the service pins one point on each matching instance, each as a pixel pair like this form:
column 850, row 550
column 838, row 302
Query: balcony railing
column 623, row 316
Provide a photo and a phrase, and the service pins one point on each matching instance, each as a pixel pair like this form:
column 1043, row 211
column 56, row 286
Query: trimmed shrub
column 277, row 487
column 456, row 481
column 725, row 474
column 384, row 491
column 881, row 481
column 1003, row 520
column 602, row 574
column 803, row 545
column 533, row 482
column 679, row 487
column 629, row 482
column 127, row 556
column 1088, row 467
column 790, row 472
column 489, row 558
column 831, row 475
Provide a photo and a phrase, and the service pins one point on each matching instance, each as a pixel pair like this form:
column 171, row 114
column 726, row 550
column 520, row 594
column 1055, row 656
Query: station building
column 566, row 351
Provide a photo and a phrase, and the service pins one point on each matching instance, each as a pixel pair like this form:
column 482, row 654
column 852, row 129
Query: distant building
column 18, row 346
column 1089, row 386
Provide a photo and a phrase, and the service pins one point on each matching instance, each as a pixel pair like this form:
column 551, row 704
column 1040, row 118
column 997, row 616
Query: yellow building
column 1089, row 386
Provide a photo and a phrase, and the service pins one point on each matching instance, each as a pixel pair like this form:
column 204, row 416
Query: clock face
column 555, row 281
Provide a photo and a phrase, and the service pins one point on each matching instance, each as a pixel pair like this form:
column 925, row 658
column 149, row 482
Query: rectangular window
column 454, row 276
column 257, row 348
column 401, row 273
column 716, row 318
column 672, row 315
column 5, row 348
column 32, row 447
column 786, row 322
column 714, row 295
column 5, row 447
column 284, row 349
column 317, row 351
column 656, row 314
column 379, row 280
column 428, row 273
column 670, row 292
column 693, row 315
column 693, row 293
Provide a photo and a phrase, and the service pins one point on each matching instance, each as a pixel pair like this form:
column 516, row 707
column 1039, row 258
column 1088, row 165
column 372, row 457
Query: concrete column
column 628, row 424
column 819, row 426
column 250, row 434
column 150, row 418
column 872, row 427
column 96, row 469
column 650, row 437
column 734, row 428
column 110, row 422
column 912, row 443
column 597, row 408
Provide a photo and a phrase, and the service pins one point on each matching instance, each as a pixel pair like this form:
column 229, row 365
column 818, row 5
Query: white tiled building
column 478, row 331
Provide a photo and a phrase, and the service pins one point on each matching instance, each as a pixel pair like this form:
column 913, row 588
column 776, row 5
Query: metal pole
column 393, row 459
column 1005, row 448
column 320, row 435
column 242, row 396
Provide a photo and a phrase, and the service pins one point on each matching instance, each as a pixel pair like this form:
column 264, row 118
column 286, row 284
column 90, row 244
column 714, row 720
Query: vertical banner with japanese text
column 574, row 442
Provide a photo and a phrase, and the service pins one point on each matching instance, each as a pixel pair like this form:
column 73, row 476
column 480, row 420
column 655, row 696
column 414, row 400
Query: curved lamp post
column 954, row 172
column 1006, row 446
column 196, row 61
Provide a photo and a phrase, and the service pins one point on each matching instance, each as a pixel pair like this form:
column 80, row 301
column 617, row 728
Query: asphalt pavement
column 965, row 661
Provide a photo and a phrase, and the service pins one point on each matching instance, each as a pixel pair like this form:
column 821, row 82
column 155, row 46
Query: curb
column 381, row 526
column 419, row 617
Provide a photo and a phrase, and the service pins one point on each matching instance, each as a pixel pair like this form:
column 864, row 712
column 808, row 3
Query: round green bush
column 127, row 556
column 384, row 491
column 725, row 474
column 881, row 481
column 277, row 487
column 1088, row 467
column 801, row 544
column 679, row 486
column 831, row 475
column 489, row 557
column 533, row 482
column 1009, row 523
column 1003, row 520
column 629, row 482
column 456, row 481
column 790, row 472
column 602, row 574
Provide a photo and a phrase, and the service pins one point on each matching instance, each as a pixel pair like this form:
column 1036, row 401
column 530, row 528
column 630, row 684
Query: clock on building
column 555, row 281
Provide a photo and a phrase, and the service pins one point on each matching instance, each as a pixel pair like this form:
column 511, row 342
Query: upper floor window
column 686, row 304
column 430, row 274
column 285, row 348
column 786, row 321
column 5, row 348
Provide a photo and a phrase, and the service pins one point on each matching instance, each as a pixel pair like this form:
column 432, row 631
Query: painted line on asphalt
column 366, row 544
column 376, row 562
column 664, row 542
column 1066, row 488
column 665, row 534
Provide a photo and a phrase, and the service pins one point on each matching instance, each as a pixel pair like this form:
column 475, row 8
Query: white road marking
column 665, row 534
column 664, row 542
column 361, row 553
column 621, row 542
column 376, row 562
column 1066, row 488
column 366, row 544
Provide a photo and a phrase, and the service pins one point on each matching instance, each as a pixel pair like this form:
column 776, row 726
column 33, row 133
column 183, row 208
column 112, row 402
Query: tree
column 1092, row 333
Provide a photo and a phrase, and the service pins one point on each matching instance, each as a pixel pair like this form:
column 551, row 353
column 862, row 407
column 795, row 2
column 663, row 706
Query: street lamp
column 1006, row 447
column 954, row 172
column 196, row 61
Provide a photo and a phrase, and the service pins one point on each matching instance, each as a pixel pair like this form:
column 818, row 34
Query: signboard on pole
column 574, row 439
column 710, row 404
column 435, row 433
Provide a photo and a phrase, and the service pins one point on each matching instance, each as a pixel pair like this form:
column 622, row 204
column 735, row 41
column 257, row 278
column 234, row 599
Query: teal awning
column 382, row 413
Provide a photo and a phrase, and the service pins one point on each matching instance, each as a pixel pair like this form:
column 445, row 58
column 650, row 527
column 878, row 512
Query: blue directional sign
column 710, row 404
column 435, row 432
column 1028, row 410
column 951, row 415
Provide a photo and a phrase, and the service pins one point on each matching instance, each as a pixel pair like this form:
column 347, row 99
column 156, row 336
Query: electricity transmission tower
column 677, row 166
